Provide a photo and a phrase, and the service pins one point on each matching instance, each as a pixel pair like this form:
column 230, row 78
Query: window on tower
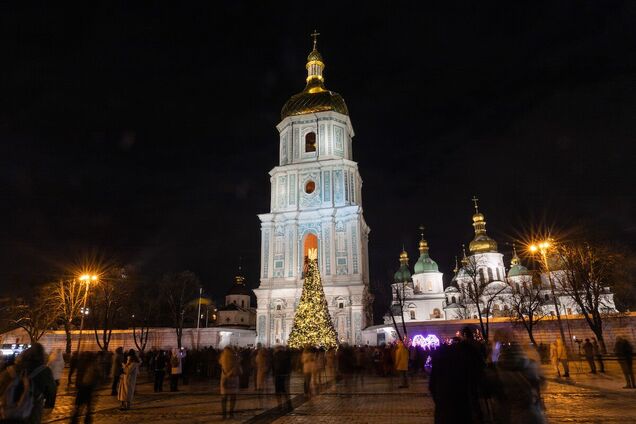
column 310, row 142
column 310, row 187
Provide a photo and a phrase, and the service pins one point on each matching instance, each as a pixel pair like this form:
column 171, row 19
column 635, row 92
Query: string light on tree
column 312, row 322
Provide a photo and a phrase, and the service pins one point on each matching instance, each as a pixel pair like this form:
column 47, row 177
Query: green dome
column 425, row 264
column 518, row 270
column 402, row 275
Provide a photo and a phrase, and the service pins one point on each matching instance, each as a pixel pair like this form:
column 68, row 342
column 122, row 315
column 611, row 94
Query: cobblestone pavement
column 378, row 400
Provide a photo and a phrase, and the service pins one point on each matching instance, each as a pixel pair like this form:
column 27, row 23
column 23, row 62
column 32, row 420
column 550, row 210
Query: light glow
column 429, row 342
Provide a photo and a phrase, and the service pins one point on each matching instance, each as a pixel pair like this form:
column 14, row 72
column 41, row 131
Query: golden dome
column 314, row 55
column 482, row 244
column 404, row 256
column 478, row 217
column 315, row 97
column 423, row 246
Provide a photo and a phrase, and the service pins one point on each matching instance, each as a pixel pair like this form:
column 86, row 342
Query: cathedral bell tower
column 316, row 202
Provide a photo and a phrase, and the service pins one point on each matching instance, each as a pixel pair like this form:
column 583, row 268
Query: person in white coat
column 56, row 363
column 128, row 380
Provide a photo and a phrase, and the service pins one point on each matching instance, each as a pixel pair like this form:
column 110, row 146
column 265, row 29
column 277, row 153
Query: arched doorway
column 311, row 242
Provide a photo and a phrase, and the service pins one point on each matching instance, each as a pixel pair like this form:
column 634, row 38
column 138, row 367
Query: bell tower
column 316, row 202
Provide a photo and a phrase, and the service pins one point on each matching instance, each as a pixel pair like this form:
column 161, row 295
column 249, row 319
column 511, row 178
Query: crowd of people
column 469, row 380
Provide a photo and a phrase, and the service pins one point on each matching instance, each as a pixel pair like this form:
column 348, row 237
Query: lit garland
column 312, row 322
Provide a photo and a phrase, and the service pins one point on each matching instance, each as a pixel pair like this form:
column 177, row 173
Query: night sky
column 144, row 134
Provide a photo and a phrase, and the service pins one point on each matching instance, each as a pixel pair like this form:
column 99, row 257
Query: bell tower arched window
column 310, row 142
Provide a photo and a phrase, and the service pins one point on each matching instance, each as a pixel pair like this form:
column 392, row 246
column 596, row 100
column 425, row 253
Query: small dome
column 404, row 255
column 314, row 55
column 402, row 275
column 451, row 289
column 518, row 270
column 239, row 288
column 425, row 264
column 478, row 217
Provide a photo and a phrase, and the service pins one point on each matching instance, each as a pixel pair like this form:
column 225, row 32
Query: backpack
column 18, row 397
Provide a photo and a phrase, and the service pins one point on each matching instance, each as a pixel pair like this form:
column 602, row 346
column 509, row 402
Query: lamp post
column 542, row 248
column 86, row 278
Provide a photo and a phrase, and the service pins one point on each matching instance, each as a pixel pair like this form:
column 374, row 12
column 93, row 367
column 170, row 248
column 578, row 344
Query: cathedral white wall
column 428, row 282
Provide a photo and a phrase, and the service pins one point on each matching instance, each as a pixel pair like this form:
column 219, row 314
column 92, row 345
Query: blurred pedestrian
column 456, row 381
column 159, row 370
column 624, row 353
column 117, row 368
column 89, row 374
column 588, row 350
column 559, row 357
column 517, row 386
column 598, row 354
column 72, row 368
column 281, row 368
column 230, row 374
column 307, row 358
column 56, row 363
column 402, row 363
column 261, row 363
column 32, row 364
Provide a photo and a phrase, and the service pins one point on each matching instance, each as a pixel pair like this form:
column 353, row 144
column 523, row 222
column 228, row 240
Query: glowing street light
column 85, row 278
column 542, row 247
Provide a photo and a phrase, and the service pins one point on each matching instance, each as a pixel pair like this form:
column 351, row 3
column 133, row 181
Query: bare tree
column 35, row 315
column 383, row 296
column 144, row 310
column 586, row 273
column 178, row 290
column 477, row 290
column 108, row 300
column 526, row 304
column 66, row 297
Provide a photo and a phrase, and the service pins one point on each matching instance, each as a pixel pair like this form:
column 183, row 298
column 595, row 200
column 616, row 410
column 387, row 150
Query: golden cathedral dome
column 481, row 243
column 315, row 97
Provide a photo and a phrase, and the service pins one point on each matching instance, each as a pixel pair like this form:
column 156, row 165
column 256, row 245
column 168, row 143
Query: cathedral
column 421, row 296
column 316, row 203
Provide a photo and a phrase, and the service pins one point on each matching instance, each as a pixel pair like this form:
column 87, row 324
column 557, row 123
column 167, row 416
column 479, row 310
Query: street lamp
column 542, row 247
column 84, row 278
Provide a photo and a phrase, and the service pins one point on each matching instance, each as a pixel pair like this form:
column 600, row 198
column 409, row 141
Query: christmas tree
column 312, row 322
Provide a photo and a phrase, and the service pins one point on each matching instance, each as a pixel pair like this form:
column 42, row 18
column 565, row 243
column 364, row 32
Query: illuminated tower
column 315, row 203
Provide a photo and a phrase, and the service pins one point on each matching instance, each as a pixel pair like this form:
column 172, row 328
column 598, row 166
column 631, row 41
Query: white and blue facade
column 316, row 201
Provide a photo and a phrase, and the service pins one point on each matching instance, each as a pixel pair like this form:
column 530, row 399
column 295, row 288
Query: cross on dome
column 475, row 200
column 315, row 35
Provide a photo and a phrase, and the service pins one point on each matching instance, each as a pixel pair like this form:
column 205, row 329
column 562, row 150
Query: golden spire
column 456, row 269
column 515, row 258
column 315, row 97
column 238, row 278
column 481, row 243
column 315, row 66
column 423, row 246
column 404, row 257
column 464, row 258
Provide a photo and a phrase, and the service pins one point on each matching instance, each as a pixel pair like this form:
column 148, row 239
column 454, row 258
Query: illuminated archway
column 311, row 242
